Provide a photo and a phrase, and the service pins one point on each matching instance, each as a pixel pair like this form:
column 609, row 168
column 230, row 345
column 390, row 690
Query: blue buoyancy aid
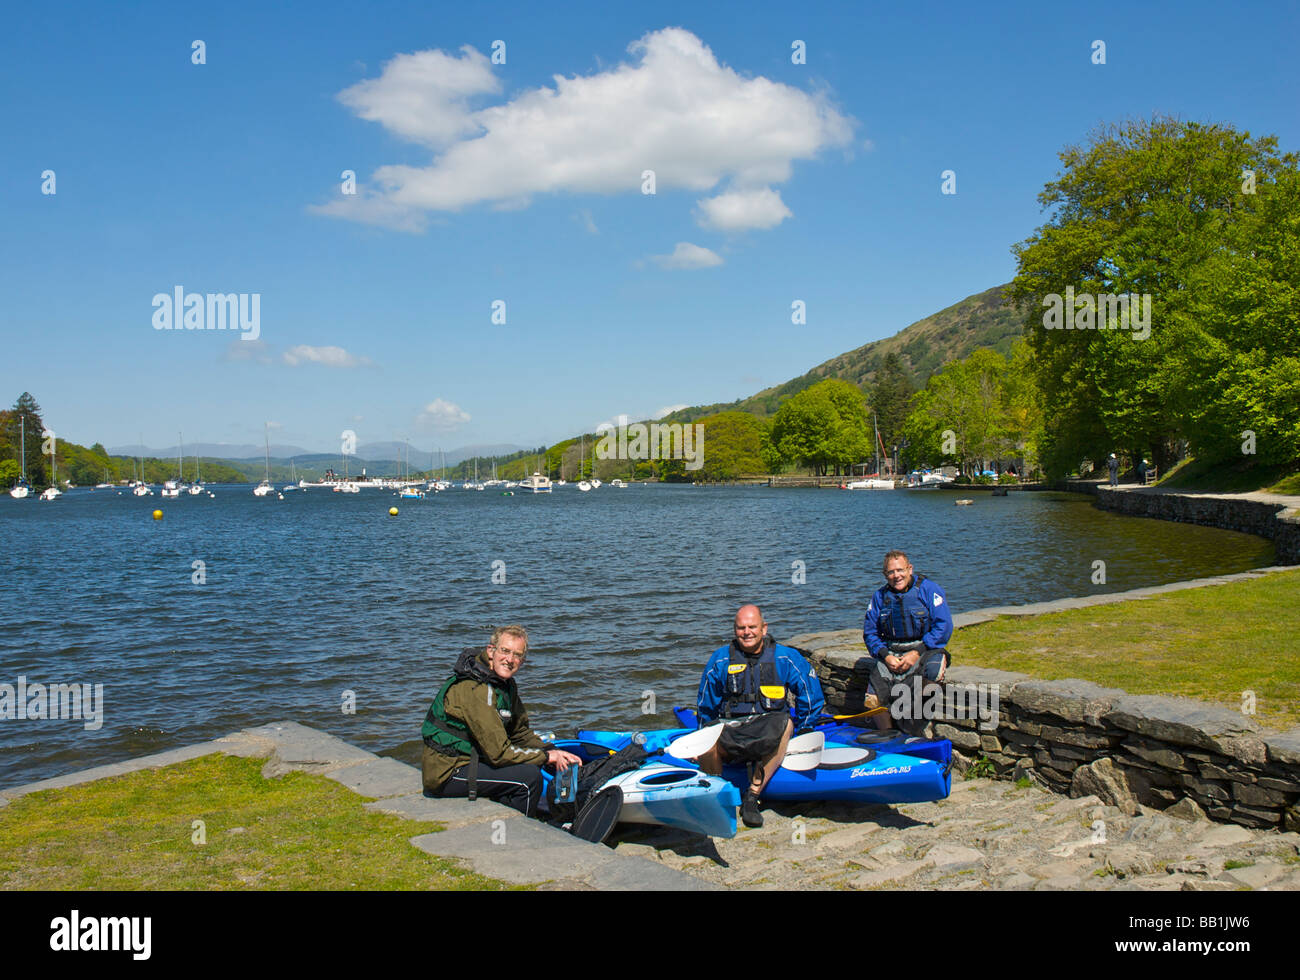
column 904, row 616
column 753, row 684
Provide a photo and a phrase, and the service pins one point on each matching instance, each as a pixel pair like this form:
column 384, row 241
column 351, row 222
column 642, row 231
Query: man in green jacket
column 477, row 740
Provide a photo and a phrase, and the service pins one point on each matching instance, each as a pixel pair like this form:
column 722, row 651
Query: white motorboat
column 927, row 480
column 618, row 484
column 537, row 483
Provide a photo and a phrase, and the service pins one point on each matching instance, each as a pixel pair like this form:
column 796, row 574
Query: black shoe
column 749, row 811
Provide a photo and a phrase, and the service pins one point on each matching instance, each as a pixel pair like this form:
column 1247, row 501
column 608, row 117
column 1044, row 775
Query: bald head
column 750, row 628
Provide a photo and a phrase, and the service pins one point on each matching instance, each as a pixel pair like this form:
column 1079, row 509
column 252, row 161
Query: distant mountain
column 211, row 450
column 420, row 457
column 925, row 346
column 372, row 454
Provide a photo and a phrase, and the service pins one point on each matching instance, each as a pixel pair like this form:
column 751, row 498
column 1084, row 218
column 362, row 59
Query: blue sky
column 478, row 182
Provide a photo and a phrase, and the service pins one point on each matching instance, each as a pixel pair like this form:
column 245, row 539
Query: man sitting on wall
column 906, row 628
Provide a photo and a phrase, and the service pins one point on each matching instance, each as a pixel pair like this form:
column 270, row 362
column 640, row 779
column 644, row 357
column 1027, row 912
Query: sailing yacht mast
column 20, row 489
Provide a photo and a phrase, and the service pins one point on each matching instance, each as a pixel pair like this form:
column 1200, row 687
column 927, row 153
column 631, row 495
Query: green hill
column 925, row 346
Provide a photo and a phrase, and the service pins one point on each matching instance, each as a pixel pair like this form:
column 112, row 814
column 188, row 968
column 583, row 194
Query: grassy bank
column 137, row 832
column 1212, row 644
column 1193, row 474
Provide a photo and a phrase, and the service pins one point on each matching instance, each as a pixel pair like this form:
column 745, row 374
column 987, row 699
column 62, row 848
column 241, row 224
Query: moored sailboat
column 265, row 488
column 21, row 489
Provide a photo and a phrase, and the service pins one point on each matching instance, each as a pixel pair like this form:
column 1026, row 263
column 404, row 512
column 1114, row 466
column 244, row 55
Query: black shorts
column 755, row 738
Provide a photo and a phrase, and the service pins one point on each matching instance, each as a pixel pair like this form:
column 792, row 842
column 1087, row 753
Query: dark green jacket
column 502, row 736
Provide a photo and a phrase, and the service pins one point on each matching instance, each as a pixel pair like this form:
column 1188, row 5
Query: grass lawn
column 293, row 832
column 1212, row 643
column 1192, row 474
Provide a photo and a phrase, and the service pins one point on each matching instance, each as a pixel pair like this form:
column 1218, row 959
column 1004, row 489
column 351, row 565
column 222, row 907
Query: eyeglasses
column 510, row 655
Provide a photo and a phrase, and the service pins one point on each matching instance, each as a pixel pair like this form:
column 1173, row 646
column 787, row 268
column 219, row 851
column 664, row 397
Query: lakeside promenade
column 990, row 833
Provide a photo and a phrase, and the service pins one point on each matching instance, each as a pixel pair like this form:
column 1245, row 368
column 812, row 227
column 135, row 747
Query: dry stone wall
column 1078, row 738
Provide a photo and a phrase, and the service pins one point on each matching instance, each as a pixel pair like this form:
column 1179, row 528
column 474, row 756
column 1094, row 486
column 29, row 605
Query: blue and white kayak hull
column 678, row 796
column 668, row 793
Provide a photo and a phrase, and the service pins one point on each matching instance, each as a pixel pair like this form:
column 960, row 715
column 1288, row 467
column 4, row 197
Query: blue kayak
column 666, row 791
column 888, row 740
column 846, row 773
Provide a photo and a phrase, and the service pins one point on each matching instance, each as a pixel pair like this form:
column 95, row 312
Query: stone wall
column 1270, row 519
column 1078, row 738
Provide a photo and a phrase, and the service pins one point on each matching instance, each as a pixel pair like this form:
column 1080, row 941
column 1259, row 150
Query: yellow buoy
column 392, row 511
column 157, row 515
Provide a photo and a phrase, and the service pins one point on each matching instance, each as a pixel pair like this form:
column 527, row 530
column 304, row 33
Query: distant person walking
column 1112, row 464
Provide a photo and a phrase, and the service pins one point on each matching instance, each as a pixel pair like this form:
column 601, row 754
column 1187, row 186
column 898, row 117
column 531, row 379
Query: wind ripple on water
column 624, row 594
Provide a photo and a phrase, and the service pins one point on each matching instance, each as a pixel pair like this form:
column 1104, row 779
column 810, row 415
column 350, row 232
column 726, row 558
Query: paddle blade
column 861, row 714
column 597, row 818
column 804, row 752
column 692, row 745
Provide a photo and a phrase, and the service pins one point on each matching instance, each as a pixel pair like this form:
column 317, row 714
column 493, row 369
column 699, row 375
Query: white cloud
column 743, row 210
column 442, row 415
column 668, row 410
column 674, row 110
column 688, row 256
column 584, row 217
column 329, row 356
column 424, row 97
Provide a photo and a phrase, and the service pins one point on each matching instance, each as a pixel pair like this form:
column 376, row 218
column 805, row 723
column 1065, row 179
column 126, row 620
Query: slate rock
column 1187, row 809
column 1076, row 701
column 1107, row 782
column 1284, row 748
column 1181, row 722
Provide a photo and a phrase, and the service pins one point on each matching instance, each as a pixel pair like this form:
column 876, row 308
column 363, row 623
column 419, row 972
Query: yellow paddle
column 860, row 714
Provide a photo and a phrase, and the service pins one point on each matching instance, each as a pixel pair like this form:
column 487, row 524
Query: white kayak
column 680, row 797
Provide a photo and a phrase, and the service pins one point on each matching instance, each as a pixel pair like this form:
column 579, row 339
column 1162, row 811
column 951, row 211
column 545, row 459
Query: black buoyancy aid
column 904, row 616
column 447, row 735
column 753, row 685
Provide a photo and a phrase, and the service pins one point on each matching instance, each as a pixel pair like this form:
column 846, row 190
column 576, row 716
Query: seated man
column 477, row 714
column 907, row 625
column 749, row 679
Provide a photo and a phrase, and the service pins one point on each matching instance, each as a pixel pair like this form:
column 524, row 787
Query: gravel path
column 987, row 834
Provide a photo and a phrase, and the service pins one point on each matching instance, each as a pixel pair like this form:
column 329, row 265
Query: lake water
column 623, row 592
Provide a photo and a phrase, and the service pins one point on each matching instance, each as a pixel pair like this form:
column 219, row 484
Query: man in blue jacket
column 749, row 682
column 907, row 627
